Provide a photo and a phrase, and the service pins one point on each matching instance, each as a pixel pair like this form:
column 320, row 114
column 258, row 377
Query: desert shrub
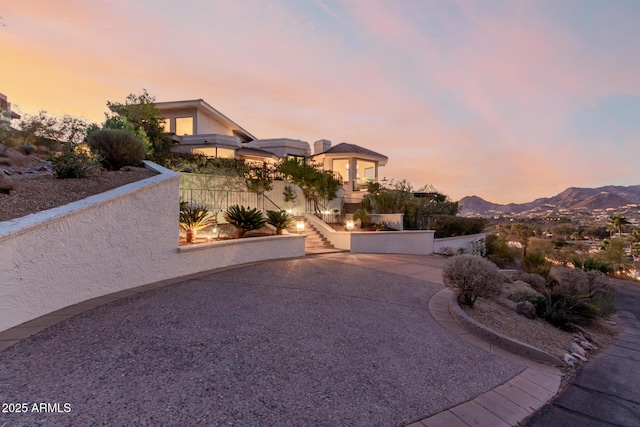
column 590, row 263
column 116, row 148
column 472, row 276
column 26, row 148
column 71, row 165
column 565, row 311
column 536, row 263
column 194, row 218
column 363, row 216
column 604, row 304
column 452, row 226
column 3, row 150
column 280, row 220
column 244, row 219
column 497, row 250
column 571, row 281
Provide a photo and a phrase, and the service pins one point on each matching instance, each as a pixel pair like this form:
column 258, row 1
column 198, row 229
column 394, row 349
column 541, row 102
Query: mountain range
column 573, row 198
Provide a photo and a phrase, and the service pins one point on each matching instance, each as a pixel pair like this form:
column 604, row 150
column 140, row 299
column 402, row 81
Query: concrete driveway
column 333, row 340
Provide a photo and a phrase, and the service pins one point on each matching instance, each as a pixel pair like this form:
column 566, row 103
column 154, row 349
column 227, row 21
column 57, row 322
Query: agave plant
column 194, row 218
column 280, row 220
column 244, row 219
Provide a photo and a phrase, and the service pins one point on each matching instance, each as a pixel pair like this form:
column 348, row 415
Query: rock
column 6, row 184
column 575, row 348
column 526, row 309
column 587, row 345
column 579, row 356
column 570, row 360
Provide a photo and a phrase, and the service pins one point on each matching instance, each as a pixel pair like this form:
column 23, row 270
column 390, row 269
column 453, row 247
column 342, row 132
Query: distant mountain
column 610, row 196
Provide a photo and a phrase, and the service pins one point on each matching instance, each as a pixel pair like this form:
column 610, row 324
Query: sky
column 509, row 100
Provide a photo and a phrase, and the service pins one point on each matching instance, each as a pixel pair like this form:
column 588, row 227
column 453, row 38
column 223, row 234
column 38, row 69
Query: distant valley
column 571, row 199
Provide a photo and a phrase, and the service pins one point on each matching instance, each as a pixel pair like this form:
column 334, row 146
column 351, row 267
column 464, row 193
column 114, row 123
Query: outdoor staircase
column 315, row 243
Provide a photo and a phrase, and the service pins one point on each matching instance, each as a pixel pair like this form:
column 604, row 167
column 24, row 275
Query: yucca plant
column 194, row 218
column 244, row 219
column 280, row 220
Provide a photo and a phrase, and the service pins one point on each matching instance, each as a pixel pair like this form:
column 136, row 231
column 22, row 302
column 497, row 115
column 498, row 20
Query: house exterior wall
column 121, row 239
column 208, row 125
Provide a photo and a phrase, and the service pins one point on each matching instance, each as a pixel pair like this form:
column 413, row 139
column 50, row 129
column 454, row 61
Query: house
column 197, row 127
column 354, row 165
column 5, row 108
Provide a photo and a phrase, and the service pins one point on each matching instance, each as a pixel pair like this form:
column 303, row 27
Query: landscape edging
column 496, row 338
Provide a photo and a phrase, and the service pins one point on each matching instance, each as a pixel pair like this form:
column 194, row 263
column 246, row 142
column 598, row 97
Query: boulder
column 526, row 309
column 6, row 184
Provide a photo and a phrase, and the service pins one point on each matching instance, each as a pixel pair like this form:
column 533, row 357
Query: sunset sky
column 505, row 99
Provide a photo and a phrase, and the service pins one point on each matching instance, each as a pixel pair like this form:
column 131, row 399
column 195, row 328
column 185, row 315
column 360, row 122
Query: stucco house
column 197, row 127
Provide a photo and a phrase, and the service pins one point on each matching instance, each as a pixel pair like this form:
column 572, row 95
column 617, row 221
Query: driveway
column 334, row 340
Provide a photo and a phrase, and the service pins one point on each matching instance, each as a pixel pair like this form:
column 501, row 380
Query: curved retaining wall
column 117, row 240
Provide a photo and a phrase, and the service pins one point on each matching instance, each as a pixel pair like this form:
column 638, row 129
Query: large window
column 224, row 153
column 184, row 125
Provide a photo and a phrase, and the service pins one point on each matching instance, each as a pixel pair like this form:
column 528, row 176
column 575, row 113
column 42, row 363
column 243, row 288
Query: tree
column 316, row 184
column 140, row 112
column 43, row 129
column 259, row 177
column 521, row 234
column 617, row 221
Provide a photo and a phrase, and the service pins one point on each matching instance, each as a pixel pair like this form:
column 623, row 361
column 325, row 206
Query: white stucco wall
column 418, row 242
column 113, row 241
column 455, row 243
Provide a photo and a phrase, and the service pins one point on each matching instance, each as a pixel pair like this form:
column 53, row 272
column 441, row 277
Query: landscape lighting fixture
column 300, row 227
column 350, row 225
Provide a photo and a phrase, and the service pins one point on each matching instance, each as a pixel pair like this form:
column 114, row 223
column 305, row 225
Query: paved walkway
column 336, row 339
column 606, row 391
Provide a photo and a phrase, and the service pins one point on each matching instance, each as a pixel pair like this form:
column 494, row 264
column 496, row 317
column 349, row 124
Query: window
column 184, row 125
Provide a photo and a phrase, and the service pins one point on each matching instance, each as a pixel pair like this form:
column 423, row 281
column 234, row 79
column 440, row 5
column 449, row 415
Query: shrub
column 591, row 263
column 536, row 281
column 451, row 226
column 565, row 311
column 3, row 150
column 498, row 251
column 363, row 216
column 116, row 148
column 473, row 277
column 280, row 220
column 70, row 165
column 536, row 263
column 26, row 148
column 244, row 219
column 194, row 218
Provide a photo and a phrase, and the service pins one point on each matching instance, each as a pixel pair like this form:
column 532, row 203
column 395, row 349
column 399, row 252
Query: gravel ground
column 305, row 342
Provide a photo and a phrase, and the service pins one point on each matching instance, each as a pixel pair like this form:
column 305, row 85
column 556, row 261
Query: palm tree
column 617, row 221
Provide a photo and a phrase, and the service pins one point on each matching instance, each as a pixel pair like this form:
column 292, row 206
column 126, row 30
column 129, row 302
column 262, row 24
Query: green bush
column 565, row 311
column 498, row 251
column 244, row 219
column 280, row 220
column 116, row 148
column 591, row 263
column 452, row 226
column 536, row 263
column 71, row 165
column 473, row 277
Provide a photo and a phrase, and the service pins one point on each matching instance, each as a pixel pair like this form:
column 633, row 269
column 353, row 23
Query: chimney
column 321, row 145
